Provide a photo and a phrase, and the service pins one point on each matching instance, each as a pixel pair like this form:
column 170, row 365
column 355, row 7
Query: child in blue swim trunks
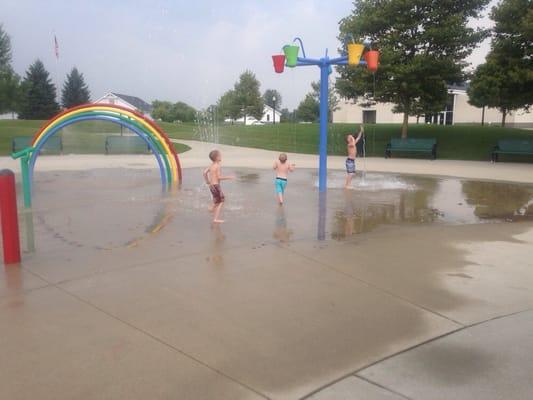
column 282, row 168
column 351, row 143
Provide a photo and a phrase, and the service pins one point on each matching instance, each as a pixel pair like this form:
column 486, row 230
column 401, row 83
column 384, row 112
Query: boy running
column 212, row 177
column 282, row 168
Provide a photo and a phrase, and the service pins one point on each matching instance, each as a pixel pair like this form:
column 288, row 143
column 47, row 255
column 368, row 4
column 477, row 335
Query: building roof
column 136, row 102
column 271, row 109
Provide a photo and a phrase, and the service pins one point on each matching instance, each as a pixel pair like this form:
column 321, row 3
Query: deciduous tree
column 308, row 109
column 268, row 98
column 505, row 81
column 423, row 45
column 248, row 96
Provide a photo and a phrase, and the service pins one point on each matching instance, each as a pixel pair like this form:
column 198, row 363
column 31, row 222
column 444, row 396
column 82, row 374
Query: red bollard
column 9, row 217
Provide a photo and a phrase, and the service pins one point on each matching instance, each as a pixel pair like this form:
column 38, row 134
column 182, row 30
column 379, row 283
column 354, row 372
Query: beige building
column 457, row 111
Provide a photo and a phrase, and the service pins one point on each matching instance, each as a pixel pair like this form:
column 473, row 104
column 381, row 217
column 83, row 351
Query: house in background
column 131, row 102
column 9, row 115
column 457, row 111
column 269, row 117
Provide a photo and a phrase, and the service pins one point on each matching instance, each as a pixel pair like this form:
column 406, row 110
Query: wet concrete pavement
column 129, row 294
column 489, row 361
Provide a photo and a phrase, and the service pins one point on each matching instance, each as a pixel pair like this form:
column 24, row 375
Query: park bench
column 126, row 145
column 412, row 145
column 54, row 144
column 513, row 147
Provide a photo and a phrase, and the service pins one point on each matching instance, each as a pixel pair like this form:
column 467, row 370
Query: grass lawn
column 461, row 142
column 86, row 137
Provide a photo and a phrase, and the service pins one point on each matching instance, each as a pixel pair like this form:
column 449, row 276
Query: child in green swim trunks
column 282, row 168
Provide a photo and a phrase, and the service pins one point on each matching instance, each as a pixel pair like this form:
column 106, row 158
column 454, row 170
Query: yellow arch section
column 131, row 115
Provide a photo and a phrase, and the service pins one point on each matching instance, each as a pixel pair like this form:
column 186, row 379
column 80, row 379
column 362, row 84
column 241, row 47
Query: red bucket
column 279, row 63
column 372, row 60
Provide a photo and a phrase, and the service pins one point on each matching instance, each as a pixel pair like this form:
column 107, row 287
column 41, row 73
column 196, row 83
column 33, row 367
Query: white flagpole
column 56, row 54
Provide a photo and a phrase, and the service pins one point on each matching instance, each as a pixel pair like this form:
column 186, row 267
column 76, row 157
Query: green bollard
column 24, row 156
column 26, row 181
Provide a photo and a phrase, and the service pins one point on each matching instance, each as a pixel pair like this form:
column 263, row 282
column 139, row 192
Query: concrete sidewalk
column 492, row 360
column 234, row 156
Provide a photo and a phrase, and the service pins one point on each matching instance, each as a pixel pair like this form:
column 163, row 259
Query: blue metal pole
column 323, row 147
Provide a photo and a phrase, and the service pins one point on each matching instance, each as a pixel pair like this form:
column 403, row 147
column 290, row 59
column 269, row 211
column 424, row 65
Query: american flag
column 56, row 47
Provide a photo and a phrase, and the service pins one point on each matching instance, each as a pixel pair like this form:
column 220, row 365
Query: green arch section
column 136, row 124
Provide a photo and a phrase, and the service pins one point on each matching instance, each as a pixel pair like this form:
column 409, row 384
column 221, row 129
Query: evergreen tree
column 5, row 49
column 9, row 80
column 75, row 90
column 38, row 94
column 423, row 45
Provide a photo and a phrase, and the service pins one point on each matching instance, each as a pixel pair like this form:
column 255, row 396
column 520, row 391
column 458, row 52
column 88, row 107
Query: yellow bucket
column 355, row 51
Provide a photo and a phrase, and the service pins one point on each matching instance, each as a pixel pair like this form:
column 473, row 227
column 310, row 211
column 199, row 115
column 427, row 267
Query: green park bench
column 513, row 147
column 412, row 145
column 54, row 144
column 126, row 145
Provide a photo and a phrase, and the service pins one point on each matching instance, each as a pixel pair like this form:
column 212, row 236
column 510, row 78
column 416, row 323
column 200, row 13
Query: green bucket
column 291, row 54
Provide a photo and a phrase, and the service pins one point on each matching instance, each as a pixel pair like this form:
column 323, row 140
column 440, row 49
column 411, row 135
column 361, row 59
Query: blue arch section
column 117, row 121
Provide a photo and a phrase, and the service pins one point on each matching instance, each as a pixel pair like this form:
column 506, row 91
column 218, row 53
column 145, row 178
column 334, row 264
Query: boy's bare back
column 282, row 169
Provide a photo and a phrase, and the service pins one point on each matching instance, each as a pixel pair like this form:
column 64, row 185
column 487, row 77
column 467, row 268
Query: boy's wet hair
column 283, row 158
column 213, row 154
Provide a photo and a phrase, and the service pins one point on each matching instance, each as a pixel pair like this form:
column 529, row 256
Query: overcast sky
column 175, row 49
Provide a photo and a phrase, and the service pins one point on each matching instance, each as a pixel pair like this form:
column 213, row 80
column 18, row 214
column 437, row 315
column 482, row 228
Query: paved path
column 256, row 158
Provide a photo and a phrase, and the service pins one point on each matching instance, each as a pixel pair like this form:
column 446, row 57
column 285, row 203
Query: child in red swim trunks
column 212, row 177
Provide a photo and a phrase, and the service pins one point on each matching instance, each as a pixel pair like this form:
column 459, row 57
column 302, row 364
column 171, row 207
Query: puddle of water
column 369, row 182
column 117, row 207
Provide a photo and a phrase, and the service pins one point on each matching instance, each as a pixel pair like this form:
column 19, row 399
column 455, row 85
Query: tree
column 228, row 106
column 483, row 89
column 75, row 90
column 285, row 115
column 168, row 112
column 9, row 80
column 246, row 94
column 38, row 94
column 423, row 45
column 184, row 112
column 268, row 98
column 333, row 99
column 162, row 110
column 308, row 109
column 243, row 100
column 505, row 81
column 5, row 49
